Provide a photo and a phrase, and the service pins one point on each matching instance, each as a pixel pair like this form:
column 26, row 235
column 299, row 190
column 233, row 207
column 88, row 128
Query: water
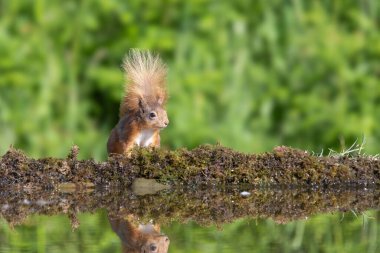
column 195, row 220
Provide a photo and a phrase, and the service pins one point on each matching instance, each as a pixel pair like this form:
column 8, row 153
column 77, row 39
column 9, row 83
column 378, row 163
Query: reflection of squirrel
column 139, row 238
column 142, row 113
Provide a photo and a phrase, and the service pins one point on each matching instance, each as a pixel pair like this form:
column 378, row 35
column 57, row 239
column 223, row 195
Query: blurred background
column 248, row 74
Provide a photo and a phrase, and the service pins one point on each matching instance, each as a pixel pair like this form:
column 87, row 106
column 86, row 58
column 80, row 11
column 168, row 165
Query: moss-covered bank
column 205, row 165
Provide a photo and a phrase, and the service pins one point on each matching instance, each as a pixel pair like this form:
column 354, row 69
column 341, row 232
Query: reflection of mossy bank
column 205, row 206
column 205, row 165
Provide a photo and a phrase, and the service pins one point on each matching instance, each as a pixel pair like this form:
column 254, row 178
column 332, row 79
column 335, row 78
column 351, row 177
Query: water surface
column 202, row 220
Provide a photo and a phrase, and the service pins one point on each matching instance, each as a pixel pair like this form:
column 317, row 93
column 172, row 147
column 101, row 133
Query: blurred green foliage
column 323, row 233
column 247, row 74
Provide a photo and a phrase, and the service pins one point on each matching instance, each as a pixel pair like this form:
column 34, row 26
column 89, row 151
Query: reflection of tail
column 138, row 239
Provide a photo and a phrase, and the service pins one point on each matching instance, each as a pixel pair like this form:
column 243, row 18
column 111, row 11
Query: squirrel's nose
column 166, row 122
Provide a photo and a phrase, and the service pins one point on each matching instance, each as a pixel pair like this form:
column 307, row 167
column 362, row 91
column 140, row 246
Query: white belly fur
column 144, row 138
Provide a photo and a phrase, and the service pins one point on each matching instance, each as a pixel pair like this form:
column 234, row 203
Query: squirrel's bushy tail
column 146, row 78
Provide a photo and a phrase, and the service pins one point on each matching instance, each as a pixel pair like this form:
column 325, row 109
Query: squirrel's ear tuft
column 160, row 100
column 142, row 105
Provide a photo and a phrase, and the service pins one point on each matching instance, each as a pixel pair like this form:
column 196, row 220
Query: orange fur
column 156, row 139
column 121, row 141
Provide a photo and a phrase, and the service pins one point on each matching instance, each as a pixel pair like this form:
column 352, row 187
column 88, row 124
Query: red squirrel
column 139, row 238
column 142, row 113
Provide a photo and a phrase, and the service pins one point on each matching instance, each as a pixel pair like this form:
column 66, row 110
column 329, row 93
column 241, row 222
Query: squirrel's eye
column 152, row 115
column 153, row 247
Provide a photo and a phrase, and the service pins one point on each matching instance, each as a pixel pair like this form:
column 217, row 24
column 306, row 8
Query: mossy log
column 205, row 165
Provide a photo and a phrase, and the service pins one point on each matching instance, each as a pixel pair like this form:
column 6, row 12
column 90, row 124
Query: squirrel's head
column 152, row 239
column 153, row 114
column 146, row 93
column 144, row 238
column 155, row 244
